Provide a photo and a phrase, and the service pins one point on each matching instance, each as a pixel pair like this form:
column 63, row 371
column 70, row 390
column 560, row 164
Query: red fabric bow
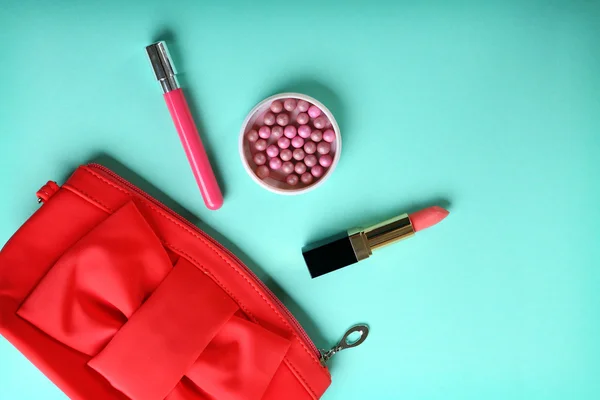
column 154, row 331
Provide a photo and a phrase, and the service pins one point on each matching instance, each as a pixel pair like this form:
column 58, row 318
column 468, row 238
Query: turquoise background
column 489, row 108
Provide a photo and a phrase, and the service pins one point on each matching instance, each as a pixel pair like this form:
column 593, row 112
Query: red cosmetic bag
column 114, row 296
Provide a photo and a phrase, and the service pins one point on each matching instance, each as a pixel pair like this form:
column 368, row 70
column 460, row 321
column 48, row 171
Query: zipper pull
column 47, row 191
column 361, row 329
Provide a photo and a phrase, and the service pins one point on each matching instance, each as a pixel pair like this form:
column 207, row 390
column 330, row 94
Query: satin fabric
column 115, row 296
column 97, row 284
column 77, row 283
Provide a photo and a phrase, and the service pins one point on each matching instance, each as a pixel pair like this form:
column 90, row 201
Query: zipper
column 362, row 330
column 295, row 324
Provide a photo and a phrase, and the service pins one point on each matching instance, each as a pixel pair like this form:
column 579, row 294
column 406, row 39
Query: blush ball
column 303, row 106
column 320, row 122
column 290, row 104
column 317, row 171
column 260, row 145
column 316, row 136
column 283, row 119
column 252, row 136
column 314, row 111
column 325, row 161
column 286, row 155
column 297, row 142
column 273, row 151
column 275, row 163
column 276, row 132
column 289, row 131
column 287, row 167
column 304, row 131
column 300, row 168
column 269, row 119
column 260, row 158
column 310, row 160
column 262, row 172
column 306, row 178
column 310, row 147
column 264, row 132
column 292, row 180
column 276, row 106
column 323, row 148
column 283, row 143
column 298, row 154
column 302, row 118
column 329, row 135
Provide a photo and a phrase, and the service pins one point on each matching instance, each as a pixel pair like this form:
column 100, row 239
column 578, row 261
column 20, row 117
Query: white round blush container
column 281, row 180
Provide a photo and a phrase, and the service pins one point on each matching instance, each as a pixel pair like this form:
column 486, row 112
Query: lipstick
column 357, row 244
column 164, row 70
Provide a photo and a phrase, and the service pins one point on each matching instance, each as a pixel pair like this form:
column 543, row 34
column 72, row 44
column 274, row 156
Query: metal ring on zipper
column 363, row 330
column 343, row 344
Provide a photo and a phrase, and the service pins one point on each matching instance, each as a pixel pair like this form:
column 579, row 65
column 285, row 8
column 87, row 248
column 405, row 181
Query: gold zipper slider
column 346, row 342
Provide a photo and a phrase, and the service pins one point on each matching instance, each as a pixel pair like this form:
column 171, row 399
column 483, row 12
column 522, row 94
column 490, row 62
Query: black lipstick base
column 329, row 255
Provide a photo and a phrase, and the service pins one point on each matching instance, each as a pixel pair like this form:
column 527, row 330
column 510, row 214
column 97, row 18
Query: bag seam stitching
column 74, row 190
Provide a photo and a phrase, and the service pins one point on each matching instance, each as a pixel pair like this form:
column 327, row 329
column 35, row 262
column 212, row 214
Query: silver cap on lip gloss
column 165, row 72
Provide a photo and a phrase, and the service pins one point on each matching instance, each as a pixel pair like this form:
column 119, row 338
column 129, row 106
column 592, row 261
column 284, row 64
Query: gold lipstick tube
column 364, row 241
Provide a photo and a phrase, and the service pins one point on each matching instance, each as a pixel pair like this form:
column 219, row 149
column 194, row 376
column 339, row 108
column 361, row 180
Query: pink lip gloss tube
column 186, row 128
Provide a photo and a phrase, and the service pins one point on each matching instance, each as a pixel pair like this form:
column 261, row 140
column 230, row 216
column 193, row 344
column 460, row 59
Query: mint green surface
column 489, row 108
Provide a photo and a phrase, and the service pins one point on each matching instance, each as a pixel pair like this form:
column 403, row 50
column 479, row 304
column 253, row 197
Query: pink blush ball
column 289, row 131
column 283, row 143
column 276, row 106
column 275, row 163
column 260, row 158
column 272, row 151
column 287, row 167
column 302, row 118
column 298, row 154
column 320, row 122
column 290, row 104
column 286, row 155
column 283, row 119
column 314, row 111
column 329, row 135
column 297, row 142
column 303, row 106
column 304, row 131
column 269, row 119
column 325, row 161
column 317, row 171
column 276, row 132
column 316, row 136
column 309, row 147
column 300, row 168
column 310, row 160
column 264, row 132
column 323, row 148
column 292, row 180
column 260, row 145
column 262, row 172
column 252, row 136
column 306, row 178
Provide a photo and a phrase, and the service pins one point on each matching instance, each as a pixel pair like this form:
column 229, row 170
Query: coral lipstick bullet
column 357, row 244
column 427, row 217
